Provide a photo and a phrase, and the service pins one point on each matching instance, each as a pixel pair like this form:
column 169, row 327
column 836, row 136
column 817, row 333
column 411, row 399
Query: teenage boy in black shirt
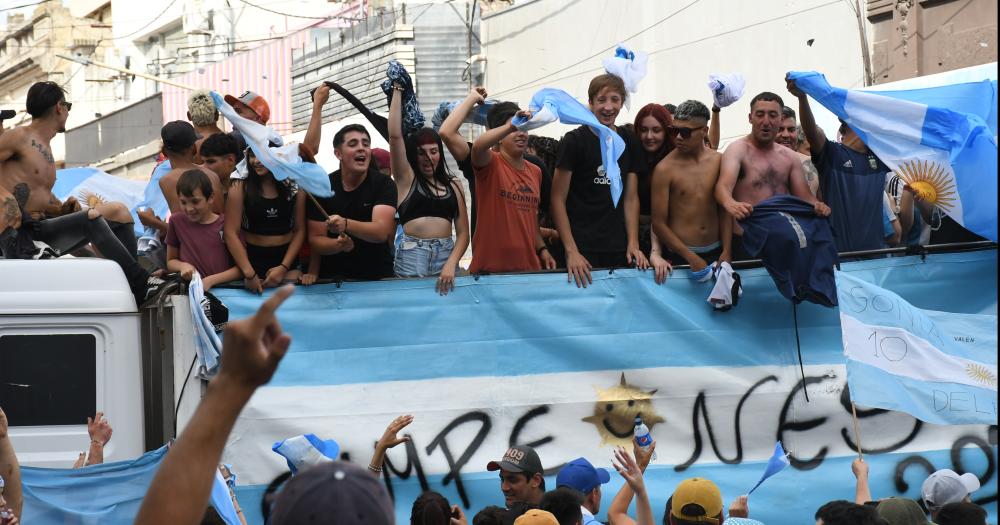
column 595, row 232
column 349, row 235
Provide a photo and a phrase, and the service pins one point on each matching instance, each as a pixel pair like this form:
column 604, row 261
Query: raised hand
column 390, row 437
column 99, row 429
column 253, row 347
column 627, row 467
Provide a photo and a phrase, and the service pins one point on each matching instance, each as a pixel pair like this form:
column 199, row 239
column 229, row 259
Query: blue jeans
column 422, row 257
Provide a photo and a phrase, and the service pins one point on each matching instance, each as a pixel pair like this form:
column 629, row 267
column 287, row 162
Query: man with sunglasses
column 28, row 173
column 686, row 217
column 756, row 168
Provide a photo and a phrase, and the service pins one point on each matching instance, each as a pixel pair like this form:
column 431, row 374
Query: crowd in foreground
column 343, row 493
column 536, row 203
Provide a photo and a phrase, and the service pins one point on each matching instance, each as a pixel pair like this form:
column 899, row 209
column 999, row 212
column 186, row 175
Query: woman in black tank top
column 431, row 202
column 651, row 125
column 265, row 226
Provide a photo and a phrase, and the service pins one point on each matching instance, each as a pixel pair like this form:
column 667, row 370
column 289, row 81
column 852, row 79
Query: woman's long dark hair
column 252, row 186
column 442, row 175
column 659, row 113
column 430, row 508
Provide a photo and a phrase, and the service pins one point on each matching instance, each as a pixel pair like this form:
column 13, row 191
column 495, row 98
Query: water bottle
column 642, row 437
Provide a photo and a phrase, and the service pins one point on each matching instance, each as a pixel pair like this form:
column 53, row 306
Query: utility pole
column 863, row 34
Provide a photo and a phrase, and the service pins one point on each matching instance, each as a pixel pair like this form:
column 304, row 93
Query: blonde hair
column 201, row 108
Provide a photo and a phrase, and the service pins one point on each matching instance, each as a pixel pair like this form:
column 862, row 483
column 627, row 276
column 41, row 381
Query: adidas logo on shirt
column 271, row 213
column 848, row 164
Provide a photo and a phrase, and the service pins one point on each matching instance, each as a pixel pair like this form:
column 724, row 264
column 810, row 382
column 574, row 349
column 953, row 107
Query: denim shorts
column 422, row 257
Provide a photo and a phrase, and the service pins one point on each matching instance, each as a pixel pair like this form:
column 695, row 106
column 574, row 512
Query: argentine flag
column 92, row 186
column 939, row 367
column 937, row 140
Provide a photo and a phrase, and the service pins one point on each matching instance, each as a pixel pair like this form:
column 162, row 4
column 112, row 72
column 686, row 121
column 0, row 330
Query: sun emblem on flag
column 931, row 181
column 616, row 409
column 89, row 199
column 981, row 374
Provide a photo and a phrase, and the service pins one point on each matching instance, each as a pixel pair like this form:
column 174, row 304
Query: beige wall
column 556, row 43
column 913, row 38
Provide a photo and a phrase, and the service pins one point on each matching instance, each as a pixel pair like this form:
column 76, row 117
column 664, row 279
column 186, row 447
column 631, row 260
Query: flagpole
column 857, row 432
column 318, row 205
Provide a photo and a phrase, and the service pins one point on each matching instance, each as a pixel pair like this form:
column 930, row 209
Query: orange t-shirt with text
column 507, row 202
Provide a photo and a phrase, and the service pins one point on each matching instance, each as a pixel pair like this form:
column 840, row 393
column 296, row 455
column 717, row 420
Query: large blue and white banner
column 940, row 367
column 91, row 186
column 531, row 359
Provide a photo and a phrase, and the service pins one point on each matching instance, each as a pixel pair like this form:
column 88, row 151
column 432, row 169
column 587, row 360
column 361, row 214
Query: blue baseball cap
column 580, row 475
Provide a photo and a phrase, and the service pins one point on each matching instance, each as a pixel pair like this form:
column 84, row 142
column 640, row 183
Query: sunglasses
column 67, row 105
column 685, row 133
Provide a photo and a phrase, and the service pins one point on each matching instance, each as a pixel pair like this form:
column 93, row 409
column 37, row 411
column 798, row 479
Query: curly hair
column 201, row 109
column 430, row 508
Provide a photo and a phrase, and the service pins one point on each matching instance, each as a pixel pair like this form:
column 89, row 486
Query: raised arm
column 402, row 172
column 10, row 469
column 450, row 128
column 315, row 129
column 100, row 432
column 862, row 493
column 481, row 147
column 252, row 349
column 714, row 128
column 618, row 512
column 815, row 136
column 728, row 174
column 389, row 439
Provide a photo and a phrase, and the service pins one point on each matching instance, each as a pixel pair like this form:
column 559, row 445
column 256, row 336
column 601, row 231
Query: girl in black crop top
column 265, row 226
column 431, row 202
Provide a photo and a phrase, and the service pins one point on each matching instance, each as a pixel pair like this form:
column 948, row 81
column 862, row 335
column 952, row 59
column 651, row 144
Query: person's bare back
column 168, row 185
column 692, row 213
column 28, row 171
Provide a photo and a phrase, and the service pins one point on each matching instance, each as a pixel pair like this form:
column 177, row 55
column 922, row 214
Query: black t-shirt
column 465, row 165
column 367, row 261
column 644, row 186
column 597, row 225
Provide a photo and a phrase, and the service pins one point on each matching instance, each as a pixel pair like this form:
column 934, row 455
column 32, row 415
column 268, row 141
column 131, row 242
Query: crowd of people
column 344, row 493
column 536, row 203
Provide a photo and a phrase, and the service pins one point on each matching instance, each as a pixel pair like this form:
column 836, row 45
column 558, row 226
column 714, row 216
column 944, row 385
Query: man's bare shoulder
column 15, row 137
column 736, row 148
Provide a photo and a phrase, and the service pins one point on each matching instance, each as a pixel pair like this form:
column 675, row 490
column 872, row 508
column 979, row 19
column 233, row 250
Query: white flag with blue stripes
column 940, row 367
column 937, row 140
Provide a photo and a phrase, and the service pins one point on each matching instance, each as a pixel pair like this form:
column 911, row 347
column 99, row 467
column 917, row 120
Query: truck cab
column 73, row 342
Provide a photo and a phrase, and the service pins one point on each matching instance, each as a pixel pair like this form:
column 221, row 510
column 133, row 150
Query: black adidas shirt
column 597, row 225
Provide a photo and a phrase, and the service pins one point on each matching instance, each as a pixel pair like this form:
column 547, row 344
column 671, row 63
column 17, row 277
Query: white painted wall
column 556, row 43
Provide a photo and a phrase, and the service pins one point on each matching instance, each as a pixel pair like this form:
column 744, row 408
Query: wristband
column 377, row 470
column 716, row 109
column 92, row 441
column 287, row 269
column 250, row 277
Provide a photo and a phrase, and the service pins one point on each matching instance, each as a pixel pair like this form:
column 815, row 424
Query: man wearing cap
column 946, row 486
column 520, row 475
column 583, row 477
column 179, row 140
column 250, row 106
column 696, row 501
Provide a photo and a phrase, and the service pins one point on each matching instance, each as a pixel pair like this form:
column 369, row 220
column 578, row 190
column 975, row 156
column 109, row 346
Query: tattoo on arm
column 10, row 210
column 46, row 154
column 21, row 194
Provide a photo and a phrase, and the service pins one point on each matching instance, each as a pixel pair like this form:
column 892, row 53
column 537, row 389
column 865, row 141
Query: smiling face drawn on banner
column 616, row 409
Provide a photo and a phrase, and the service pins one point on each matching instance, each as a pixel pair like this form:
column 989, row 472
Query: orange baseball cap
column 254, row 102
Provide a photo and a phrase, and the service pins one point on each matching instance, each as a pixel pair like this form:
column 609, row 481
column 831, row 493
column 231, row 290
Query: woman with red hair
column 651, row 124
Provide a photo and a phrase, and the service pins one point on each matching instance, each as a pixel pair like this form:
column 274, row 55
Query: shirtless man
column 205, row 118
column 28, row 173
column 696, row 230
column 179, row 140
column 754, row 168
column 788, row 136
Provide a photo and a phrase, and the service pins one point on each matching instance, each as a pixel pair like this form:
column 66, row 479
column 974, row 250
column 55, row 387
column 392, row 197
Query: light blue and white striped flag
column 91, row 185
column 940, row 367
column 935, row 139
column 284, row 161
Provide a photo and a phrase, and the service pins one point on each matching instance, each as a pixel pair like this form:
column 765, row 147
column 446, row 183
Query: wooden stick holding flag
column 857, row 431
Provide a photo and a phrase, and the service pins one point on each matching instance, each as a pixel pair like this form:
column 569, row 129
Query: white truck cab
column 72, row 343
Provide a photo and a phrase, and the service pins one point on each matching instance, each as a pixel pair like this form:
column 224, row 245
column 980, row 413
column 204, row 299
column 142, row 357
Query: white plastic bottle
column 642, row 437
